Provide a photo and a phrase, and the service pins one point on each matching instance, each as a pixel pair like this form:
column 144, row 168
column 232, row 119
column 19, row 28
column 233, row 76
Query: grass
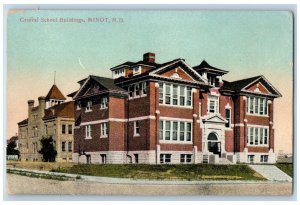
column 41, row 175
column 181, row 172
column 42, row 166
column 286, row 167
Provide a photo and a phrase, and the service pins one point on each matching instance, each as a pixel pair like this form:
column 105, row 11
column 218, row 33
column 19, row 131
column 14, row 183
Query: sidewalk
column 110, row 180
column 272, row 173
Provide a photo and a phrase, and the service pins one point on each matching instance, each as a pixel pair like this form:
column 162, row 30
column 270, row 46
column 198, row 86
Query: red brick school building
column 156, row 113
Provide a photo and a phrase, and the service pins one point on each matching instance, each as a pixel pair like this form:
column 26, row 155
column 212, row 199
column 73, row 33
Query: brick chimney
column 30, row 106
column 42, row 104
column 149, row 57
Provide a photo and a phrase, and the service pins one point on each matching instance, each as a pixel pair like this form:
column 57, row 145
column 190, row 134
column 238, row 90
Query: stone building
column 51, row 117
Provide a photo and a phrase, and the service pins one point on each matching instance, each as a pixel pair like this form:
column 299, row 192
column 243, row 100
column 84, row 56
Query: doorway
column 214, row 145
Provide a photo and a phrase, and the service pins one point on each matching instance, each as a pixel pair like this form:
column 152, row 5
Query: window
column 257, row 136
column 103, row 158
column 251, row 159
column 70, row 130
column 261, row 106
column 70, row 146
column 189, row 96
column 161, row 130
column 136, row 70
column 103, row 129
column 88, row 159
column 144, row 88
column 137, row 90
column 89, row 106
column 88, row 132
column 266, row 137
column 211, row 80
column 182, row 96
column 228, row 117
column 46, row 129
column 63, row 129
column 261, row 135
column 181, row 131
column 213, row 104
column 165, row 158
column 168, row 130
column 251, row 105
column 175, row 131
column 130, row 90
column 188, row 131
column 78, row 105
column 185, row 158
column 173, row 94
column 161, row 93
column 251, row 135
column 103, row 103
column 136, row 128
column 63, row 146
column 257, row 106
column 136, row 158
column 168, row 94
column 264, row 158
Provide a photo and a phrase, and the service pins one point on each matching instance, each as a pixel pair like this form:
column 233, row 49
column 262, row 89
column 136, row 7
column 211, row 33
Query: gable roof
column 66, row 109
column 241, row 85
column 54, row 93
column 107, row 83
column 204, row 66
column 182, row 64
column 23, row 122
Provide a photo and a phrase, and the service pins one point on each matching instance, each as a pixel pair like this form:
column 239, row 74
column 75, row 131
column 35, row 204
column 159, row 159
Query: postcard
column 149, row 102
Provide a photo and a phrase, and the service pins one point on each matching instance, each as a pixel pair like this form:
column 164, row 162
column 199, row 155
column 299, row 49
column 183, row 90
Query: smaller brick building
column 51, row 117
column 153, row 113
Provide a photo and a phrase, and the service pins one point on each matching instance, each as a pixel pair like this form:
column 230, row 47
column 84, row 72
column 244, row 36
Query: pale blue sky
column 244, row 43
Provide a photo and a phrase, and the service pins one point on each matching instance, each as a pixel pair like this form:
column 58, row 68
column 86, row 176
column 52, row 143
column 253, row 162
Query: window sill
column 136, row 97
column 257, row 115
column 174, row 142
column 251, row 145
column 103, row 136
column 136, row 135
column 88, row 138
column 176, row 106
column 104, row 108
column 88, row 111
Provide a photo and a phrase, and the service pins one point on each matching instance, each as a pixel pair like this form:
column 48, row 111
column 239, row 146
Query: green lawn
column 286, row 167
column 186, row 172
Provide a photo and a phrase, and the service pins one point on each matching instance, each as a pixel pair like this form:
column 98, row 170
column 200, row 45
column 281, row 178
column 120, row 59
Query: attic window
column 136, row 70
column 175, row 75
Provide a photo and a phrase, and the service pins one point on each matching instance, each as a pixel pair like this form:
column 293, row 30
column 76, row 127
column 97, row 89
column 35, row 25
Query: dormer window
column 118, row 73
column 211, row 80
column 137, row 70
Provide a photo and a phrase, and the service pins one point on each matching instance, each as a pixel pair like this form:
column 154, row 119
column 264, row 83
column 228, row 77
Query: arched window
column 212, row 136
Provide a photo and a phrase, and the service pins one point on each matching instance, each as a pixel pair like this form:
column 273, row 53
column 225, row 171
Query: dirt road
column 17, row 184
